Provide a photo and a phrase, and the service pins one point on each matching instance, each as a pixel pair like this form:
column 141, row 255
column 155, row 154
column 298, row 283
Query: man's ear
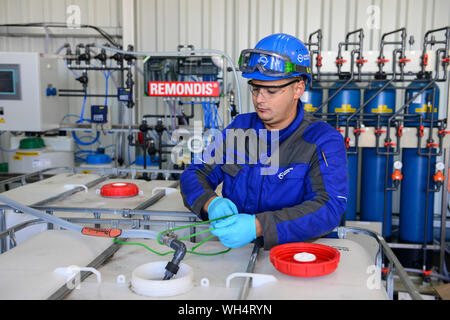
column 299, row 89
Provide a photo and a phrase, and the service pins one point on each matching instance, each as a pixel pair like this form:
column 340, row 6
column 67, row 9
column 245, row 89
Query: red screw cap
column 119, row 190
column 325, row 262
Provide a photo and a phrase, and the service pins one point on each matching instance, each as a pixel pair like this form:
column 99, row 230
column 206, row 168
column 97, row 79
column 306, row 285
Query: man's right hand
column 220, row 207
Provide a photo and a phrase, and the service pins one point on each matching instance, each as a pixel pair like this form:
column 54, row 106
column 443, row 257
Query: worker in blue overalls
column 305, row 197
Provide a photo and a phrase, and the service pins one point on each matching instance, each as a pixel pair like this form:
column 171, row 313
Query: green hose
column 184, row 238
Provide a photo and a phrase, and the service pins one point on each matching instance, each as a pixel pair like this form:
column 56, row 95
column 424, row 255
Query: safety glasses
column 269, row 63
column 268, row 91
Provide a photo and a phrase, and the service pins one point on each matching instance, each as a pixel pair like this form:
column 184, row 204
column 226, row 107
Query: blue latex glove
column 220, row 207
column 236, row 231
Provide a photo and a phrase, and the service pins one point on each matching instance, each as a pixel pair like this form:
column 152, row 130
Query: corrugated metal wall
column 106, row 14
column 232, row 25
column 228, row 25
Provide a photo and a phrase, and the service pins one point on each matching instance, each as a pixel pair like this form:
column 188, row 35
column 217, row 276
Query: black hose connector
column 180, row 251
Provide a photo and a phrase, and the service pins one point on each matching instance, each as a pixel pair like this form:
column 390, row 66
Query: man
column 307, row 195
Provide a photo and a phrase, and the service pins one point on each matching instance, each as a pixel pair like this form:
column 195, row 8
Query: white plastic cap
column 304, row 257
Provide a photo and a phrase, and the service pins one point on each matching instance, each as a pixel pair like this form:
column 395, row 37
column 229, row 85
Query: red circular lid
column 325, row 262
column 119, row 190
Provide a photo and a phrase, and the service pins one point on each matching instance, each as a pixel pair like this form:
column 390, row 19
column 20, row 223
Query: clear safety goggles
column 269, row 63
column 268, row 91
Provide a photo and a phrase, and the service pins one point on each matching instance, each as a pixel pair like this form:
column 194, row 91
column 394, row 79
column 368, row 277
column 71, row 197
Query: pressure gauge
column 398, row 165
column 440, row 166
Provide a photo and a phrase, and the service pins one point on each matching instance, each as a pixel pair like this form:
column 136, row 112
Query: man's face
column 276, row 107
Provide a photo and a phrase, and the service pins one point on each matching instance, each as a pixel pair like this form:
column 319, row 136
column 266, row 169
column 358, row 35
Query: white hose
column 42, row 215
column 126, row 233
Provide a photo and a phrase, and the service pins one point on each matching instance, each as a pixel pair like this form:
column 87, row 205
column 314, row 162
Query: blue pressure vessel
column 312, row 98
column 372, row 189
column 344, row 103
column 423, row 104
column 382, row 104
column 413, row 197
column 352, row 164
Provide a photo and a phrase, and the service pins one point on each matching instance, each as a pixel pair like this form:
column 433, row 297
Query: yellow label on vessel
column 27, row 154
column 345, row 108
column 309, row 107
column 425, row 108
column 16, row 157
column 382, row 108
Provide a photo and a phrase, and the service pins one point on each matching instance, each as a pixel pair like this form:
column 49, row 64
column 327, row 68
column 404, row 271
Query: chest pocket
column 231, row 169
column 233, row 173
column 293, row 172
column 285, row 188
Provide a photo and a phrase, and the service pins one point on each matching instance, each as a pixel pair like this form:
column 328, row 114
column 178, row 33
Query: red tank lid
column 119, row 190
column 311, row 259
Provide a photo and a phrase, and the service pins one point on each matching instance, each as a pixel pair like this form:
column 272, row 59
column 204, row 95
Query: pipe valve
column 439, row 177
column 397, row 177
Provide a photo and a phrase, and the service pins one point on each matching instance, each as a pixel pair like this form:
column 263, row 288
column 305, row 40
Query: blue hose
column 77, row 140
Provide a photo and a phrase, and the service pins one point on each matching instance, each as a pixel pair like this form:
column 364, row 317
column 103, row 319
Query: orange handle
column 439, row 176
column 397, row 175
column 98, row 232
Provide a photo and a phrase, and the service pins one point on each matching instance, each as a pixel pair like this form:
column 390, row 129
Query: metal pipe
column 68, row 193
column 436, row 275
column 409, row 286
column 250, row 268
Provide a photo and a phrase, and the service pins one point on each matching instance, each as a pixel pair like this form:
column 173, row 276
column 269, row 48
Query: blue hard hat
column 275, row 57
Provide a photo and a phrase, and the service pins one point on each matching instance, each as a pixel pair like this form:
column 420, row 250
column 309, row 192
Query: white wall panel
column 228, row 25
column 101, row 13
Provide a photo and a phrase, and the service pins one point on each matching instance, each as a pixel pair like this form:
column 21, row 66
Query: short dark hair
column 301, row 78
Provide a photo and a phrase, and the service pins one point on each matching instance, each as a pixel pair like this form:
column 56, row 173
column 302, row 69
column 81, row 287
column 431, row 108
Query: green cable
column 184, row 238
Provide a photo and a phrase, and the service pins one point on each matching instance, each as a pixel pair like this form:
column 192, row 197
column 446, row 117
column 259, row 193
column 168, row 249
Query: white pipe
column 126, row 233
column 181, row 53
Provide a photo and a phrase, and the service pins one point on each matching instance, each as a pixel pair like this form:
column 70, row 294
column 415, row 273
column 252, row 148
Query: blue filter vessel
column 345, row 103
column 312, row 98
column 420, row 105
column 382, row 104
column 352, row 163
column 413, row 197
column 372, row 188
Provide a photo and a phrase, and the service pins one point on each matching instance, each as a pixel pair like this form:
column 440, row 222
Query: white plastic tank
column 33, row 155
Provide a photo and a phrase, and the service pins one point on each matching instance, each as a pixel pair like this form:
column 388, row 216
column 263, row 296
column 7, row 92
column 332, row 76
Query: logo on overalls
column 284, row 173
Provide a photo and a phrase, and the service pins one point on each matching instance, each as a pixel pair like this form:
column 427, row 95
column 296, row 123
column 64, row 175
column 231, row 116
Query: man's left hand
column 236, row 231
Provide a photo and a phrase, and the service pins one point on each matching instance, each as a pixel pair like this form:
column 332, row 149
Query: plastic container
column 282, row 258
column 33, row 155
column 146, row 280
column 99, row 158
